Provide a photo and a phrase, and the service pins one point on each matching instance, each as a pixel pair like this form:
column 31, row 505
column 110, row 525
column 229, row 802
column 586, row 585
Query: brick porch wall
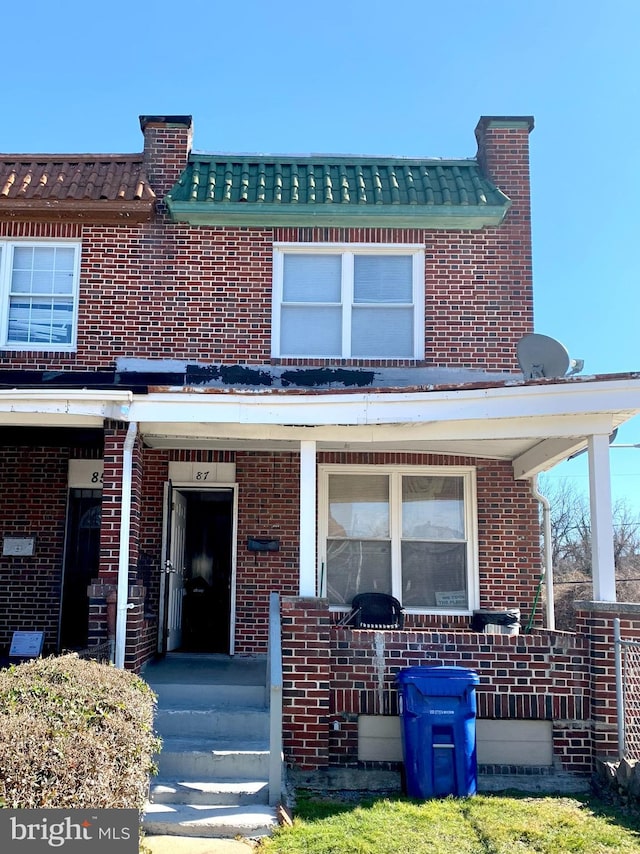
column 268, row 506
column 595, row 620
column 541, row 676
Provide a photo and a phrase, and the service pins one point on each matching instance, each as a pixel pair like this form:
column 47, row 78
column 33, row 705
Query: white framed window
column 39, row 288
column 408, row 531
column 355, row 301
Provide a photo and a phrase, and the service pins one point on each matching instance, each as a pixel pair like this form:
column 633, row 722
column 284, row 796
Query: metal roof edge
column 468, row 217
column 315, row 158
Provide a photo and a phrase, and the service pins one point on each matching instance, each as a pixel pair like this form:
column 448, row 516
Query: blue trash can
column 438, row 725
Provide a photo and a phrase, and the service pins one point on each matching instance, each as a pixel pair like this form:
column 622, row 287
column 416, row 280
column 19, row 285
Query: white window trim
column 468, row 475
column 6, row 265
column 348, row 250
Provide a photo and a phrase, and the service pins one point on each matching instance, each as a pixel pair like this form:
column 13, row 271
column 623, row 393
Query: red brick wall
column 33, row 502
column 166, row 147
column 595, row 621
column 268, row 506
column 306, row 668
column 542, row 676
column 160, row 291
column 268, row 490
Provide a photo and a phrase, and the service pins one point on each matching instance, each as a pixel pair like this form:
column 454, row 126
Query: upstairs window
column 39, row 281
column 360, row 302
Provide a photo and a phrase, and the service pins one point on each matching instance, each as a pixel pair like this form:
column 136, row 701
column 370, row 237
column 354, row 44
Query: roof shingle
column 264, row 190
column 77, row 186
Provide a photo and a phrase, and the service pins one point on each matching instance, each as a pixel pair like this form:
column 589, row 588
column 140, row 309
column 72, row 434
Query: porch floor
column 206, row 669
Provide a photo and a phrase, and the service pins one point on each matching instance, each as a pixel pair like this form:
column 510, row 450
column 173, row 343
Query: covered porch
column 269, row 445
column 530, row 426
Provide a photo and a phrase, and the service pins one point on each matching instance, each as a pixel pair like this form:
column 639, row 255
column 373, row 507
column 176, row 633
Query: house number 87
column 202, row 475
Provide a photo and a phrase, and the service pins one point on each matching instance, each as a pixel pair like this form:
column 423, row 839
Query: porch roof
column 533, row 424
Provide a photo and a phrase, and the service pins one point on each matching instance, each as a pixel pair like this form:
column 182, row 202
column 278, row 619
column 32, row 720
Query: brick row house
column 226, row 376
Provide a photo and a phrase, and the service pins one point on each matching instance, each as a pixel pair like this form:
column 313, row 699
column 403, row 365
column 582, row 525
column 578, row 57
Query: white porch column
column 307, row 518
column 602, row 564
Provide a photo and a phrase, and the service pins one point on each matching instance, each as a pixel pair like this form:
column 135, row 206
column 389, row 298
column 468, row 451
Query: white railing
column 274, row 688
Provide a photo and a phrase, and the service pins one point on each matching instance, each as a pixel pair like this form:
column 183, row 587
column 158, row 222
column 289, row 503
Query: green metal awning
column 339, row 191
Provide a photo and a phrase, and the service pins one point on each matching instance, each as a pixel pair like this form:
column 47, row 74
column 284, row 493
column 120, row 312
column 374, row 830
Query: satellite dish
column 541, row 356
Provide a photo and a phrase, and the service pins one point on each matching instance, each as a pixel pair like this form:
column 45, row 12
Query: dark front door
column 208, row 559
column 82, row 557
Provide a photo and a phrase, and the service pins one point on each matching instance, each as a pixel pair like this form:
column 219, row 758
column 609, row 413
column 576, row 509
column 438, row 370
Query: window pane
column 434, row 575
column 357, row 566
column 358, row 506
column 433, row 508
column 38, row 322
column 44, row 258
column 21, row 281
column 312, row 278
column 310, row 331
column 23, row 258
column 383, row 278
column 43, row 270
column 382, row 333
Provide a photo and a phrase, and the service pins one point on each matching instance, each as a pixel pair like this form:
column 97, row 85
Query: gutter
column 123, row 561
column 547, row 571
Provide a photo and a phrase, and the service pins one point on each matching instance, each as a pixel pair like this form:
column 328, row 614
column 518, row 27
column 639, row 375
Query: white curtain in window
column 382, row 315
column 311, row 331
column 382, row 332
column 383, row 279
column 359, row 546
column 311, row 315
column 359, row 506
column 367, row 537
column 312, row 278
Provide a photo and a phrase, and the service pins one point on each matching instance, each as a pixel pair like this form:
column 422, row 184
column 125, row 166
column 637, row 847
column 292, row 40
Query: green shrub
column 74, row 733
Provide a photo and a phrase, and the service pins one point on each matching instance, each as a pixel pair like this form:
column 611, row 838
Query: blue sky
column 371, row 77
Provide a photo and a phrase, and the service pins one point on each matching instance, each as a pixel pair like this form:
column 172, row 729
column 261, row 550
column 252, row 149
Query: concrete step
column 213, row 768
column 218, row 792
column 219, row 723
column 224, row 822
column 178, row 695
column 211, row 759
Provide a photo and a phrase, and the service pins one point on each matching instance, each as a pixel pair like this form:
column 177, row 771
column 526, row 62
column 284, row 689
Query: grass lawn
column 485, row 824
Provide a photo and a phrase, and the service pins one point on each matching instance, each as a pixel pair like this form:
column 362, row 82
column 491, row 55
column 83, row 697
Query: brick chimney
column 167, row 143
column 503, row 155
